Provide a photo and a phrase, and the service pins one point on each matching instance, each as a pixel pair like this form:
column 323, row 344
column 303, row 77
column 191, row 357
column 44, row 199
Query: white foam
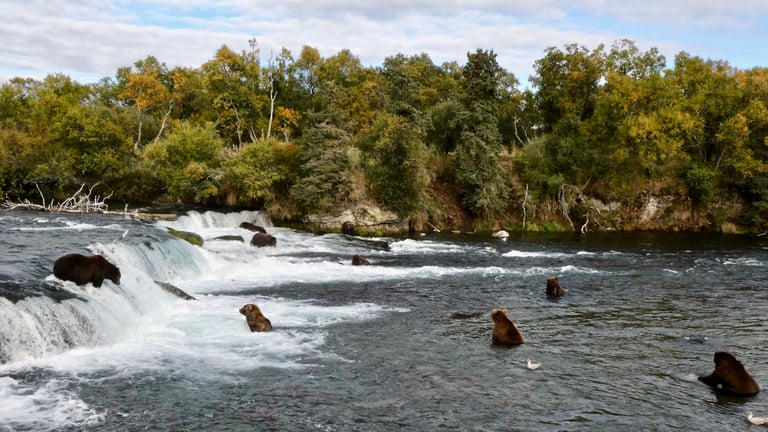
column 530, row 254
column 46, row 408
column 210, row 337
column 424, row 247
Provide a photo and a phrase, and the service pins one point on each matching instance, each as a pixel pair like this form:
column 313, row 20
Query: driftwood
column 79, row 202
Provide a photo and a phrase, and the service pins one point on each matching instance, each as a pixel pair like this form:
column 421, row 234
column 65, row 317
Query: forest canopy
column 298, row 134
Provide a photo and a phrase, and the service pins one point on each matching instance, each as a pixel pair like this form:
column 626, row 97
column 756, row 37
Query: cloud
column 90, row 39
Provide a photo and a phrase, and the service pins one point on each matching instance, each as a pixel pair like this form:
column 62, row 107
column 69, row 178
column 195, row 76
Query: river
column 401, row 345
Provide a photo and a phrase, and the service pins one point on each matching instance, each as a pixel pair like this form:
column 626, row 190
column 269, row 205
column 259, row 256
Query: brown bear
column 348, row 228
column 257, row 322
column 359, row 260
column 82, row 269
column 261, row 240
column 730, row 377
column 554, row 289
column 504, row 330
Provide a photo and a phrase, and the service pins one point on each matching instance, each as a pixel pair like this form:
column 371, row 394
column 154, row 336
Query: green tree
column 566, row 83
column 253, row 171
column 232, row 83
column 476, row 159
column 395, row 156
column 327, row 177
column 188, row 160
column 348, row 91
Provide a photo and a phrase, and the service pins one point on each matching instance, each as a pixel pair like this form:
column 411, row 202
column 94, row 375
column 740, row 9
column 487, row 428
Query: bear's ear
column 249, row 308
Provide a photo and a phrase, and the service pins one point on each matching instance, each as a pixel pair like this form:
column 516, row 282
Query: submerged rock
column 190, row 237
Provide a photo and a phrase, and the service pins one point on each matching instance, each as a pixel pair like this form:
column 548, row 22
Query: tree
column 188, row 161
column 566, row 83
column 327, row 170
column 231, row 81
column 348, row 90
column 148, row 87
column 253, row 170
column 394, row 155
column 476, row 159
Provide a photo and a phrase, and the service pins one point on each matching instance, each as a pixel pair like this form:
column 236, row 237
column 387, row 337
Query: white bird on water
column 532, row 365
column 756, row 420
column 122, row 237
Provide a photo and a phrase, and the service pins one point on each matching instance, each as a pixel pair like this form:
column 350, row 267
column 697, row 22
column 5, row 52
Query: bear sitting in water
column 554, row 289
column 730, row 377
column 257, row 322
column 504, row 330
column 82, row 269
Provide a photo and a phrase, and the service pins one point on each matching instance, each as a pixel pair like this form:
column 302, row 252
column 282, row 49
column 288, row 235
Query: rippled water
column 403, row 344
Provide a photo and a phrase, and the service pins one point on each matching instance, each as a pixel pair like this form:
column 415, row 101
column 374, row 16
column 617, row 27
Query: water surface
column 403, row 344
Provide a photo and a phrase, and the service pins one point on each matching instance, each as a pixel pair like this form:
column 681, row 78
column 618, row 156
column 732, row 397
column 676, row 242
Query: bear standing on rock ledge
column 82, row 269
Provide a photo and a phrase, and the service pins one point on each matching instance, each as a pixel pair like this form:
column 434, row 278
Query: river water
column 400, row 345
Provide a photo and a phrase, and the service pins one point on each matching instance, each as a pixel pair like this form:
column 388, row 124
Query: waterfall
column 66, row 316
column 195, row 221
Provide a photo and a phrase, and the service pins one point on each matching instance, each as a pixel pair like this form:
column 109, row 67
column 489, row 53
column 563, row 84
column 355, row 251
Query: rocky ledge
column 367, row 219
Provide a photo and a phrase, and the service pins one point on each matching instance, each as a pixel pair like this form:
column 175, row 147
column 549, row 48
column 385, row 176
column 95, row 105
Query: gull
column 756, row 420
column 122, row 237
column 532, row 365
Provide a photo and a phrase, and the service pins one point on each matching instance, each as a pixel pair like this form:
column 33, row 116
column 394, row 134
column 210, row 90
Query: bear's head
column 499, row 315
column 112, row 273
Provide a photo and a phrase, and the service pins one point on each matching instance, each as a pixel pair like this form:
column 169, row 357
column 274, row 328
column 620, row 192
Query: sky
column 90, row 39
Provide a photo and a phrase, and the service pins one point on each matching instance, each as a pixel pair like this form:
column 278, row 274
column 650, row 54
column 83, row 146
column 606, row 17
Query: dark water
column 401, row 345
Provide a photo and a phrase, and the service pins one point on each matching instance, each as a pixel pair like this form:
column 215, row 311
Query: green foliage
column 476, row 164
column 326, row 180
column 395, row 160
column 254, row 170
column 614, row 123
column 188, row 160
column 566, row 83
column 475, row 161
column 445, row 130
column 701, row 183
column 536, row 169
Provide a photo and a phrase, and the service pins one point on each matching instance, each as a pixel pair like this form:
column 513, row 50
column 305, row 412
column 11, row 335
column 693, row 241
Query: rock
column 190, row 237
column 230, row 238
column 253, row 227
column 178, row 292
column 368, row 220
column 501, row 234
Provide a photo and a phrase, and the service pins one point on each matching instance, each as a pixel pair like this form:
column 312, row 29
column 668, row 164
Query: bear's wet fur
column 263, row 240
column 257, row 322
column 730, row 376
column 82, row 269
column 504, row 330
column 554, row 289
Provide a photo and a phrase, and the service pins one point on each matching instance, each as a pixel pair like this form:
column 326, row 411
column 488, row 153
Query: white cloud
column 90, row 39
